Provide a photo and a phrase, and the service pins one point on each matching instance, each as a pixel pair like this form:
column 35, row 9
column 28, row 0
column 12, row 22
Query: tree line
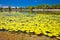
column 44, row 6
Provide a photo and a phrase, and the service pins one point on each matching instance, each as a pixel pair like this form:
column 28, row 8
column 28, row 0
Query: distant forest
column 45, row 6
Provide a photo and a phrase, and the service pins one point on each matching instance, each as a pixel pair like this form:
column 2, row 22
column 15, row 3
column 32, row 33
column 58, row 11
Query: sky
column 27, row 2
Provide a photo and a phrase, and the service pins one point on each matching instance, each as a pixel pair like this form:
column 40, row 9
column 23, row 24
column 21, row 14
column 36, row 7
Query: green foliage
column 9, row 8
column 1, row 9
column 45, row 6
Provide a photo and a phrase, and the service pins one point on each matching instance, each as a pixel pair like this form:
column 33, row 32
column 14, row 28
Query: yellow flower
column 37, row 31
column 49, row 34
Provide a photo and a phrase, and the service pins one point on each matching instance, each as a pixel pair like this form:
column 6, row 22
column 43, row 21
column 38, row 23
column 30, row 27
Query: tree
column 45, row 6
column 1, row 9
column 9, row 8
column 16, row 9
column 58, row 6
column 30, row 7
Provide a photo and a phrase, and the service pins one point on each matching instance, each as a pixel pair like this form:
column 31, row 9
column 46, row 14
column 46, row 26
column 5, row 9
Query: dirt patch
column 21, row 36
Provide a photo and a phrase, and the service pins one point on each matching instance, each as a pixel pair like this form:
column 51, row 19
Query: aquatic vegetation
column 38, row 23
